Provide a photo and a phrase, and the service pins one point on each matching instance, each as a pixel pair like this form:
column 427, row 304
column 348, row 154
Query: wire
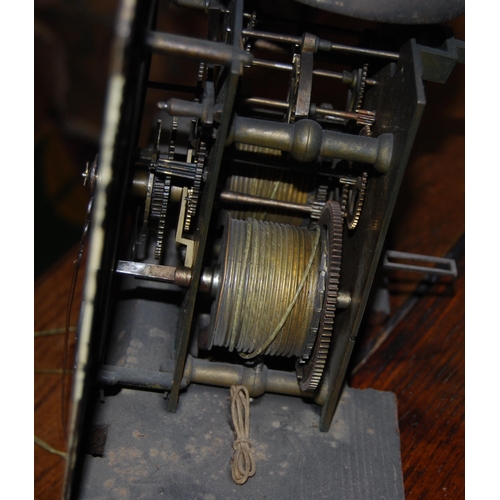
column 54, row 331
column 290, row 307
column 49, row 448
column 268, row 290
column 91, row 175
column 52, row 371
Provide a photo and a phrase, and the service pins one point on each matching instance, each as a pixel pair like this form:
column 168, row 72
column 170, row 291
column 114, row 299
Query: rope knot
column 241, row 440
column 242, row 463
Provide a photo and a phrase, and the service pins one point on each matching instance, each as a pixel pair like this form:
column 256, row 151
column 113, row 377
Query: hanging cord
column 54, row 331
column 242, row 463
column 90, row 175
column 76, row 268
column 49, row 448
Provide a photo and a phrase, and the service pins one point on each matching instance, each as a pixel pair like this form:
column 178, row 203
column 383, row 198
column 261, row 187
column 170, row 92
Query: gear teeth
column 162, row 219
column 157, row 198
column 361, row 91
column 319, row 202
column 312, row 373
column 173, row 138
column 366, row 131
column 353, row 218
column 293, row 89
column 346, row 182
column 343, row 202
column 365, row 118
column 195, row 191
column 201, row 73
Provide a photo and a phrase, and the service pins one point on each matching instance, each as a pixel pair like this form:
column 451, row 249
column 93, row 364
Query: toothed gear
column 194, row 193
column 365, row 118
column 157, row 197
column 366, row 131
column 310, row 372
column 346, row 182
column 201, row 73
column 319, row 202
column 294, row 89
column 147, row 205
column 162, row 217
column 250, row 26
column 353, row 196
column 361, row 87
column 161, row 194
column 343, row 201
column 173, row 138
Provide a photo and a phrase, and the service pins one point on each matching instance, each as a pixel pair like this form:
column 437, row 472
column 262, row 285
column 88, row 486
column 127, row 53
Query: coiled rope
column 269, row 284
column 242, row 463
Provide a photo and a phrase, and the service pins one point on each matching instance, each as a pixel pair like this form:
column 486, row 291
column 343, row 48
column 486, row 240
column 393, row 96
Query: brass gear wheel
column 194, row 193
column 319, row 202
column 294, row 88
column 353, row 196
column 159, row 205
column 357, row 90
column 361, row 87
column 173, row 138
column 309, row 372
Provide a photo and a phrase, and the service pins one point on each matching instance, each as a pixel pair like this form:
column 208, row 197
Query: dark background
column 71, row 51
